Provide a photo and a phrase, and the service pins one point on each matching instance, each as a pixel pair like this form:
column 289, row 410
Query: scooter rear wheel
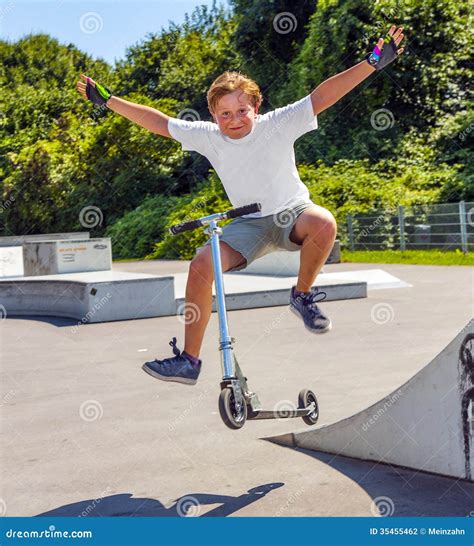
column 305, row 398
column 232, row 418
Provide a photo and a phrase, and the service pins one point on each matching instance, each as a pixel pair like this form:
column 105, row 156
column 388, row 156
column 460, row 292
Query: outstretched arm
column 149, row 118
column 334, row 88
column 145, row 116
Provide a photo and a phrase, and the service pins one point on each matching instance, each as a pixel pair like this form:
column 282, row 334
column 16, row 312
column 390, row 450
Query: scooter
column 237, row 402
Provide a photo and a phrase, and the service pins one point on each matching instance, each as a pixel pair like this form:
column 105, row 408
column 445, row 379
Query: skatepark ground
column 86, row 432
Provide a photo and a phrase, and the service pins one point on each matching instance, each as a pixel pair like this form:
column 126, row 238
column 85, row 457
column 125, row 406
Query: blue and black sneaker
column 304, row 306
column 178, row 368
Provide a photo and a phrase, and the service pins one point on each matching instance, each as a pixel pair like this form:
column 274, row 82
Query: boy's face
column 235, row 114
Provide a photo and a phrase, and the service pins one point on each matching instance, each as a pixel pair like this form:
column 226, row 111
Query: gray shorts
column 255, row 237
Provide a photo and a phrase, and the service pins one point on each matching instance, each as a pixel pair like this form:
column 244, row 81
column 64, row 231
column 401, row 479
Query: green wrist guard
column 96, row 93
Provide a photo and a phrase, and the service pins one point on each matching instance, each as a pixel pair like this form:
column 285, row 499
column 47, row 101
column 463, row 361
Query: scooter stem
column 225, row 341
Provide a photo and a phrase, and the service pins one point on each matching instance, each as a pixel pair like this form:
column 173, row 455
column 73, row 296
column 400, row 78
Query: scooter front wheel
column 305, row 398
column 234, row 418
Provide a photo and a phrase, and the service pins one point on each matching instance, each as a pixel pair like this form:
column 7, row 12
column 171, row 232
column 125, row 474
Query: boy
column 254, row 158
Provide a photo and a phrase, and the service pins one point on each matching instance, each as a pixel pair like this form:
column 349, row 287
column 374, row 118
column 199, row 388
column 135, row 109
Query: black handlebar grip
column 185, row 226
column 233, row 213
column 247, row 209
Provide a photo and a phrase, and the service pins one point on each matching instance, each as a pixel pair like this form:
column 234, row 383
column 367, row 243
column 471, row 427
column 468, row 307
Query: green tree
column 268, row 35
column 429, row 81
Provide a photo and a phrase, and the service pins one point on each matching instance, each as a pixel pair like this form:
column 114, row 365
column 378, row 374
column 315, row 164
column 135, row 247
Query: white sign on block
column 67, row 256
column 86, row 255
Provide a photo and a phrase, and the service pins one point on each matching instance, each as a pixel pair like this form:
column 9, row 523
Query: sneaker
column 304, row 306
column 177, row 368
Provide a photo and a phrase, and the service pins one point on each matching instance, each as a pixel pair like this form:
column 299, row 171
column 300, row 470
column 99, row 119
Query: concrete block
column 335, row 255
column 67, row 256
column 18, row 240
column 90, row 297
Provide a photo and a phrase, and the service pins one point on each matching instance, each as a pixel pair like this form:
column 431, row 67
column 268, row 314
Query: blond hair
column 230, row 81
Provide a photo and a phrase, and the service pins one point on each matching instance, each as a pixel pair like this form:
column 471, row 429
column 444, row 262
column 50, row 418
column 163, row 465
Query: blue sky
column 102, row 28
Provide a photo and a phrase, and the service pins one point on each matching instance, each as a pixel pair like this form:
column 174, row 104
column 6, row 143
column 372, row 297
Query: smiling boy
column 254, row 158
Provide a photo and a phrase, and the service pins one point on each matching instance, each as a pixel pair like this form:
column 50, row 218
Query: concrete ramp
column 427, row 424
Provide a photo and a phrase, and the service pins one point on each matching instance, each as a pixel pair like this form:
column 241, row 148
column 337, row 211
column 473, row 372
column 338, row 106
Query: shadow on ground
column 60, row 322
column 398, row 491
column 188, row 505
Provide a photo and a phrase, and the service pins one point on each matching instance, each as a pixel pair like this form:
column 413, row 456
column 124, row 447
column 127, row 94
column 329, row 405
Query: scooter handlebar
column 185, row 226
column 232, row 213
column 241, row 211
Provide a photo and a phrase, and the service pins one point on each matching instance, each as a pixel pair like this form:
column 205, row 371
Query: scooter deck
column 281, row 414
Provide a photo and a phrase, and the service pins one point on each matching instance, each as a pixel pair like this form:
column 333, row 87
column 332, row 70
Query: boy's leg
column 199, row 293
column 315, row 229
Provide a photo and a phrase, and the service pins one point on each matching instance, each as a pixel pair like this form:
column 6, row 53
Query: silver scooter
column 237, row 402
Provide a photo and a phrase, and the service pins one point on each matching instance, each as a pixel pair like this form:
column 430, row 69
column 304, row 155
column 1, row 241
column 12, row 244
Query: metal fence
column 445, row 226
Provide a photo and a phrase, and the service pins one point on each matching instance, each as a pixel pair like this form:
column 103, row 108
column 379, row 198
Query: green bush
column 359, row 186
column 134, row 235
column 209, row 198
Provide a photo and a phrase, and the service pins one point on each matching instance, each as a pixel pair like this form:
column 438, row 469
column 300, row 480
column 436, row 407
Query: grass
column 420, row 257
column 128, row 260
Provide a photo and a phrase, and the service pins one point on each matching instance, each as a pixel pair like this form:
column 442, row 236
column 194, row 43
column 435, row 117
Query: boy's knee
column 331, row 225
column 325, row 225
column 201, row 265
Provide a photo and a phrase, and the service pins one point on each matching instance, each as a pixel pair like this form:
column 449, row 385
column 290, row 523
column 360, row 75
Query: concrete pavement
column 86, row 432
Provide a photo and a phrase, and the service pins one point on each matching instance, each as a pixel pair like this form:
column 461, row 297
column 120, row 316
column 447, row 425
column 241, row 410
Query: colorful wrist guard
column 380, row 58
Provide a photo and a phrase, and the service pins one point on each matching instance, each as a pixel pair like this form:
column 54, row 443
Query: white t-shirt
column 259, row 167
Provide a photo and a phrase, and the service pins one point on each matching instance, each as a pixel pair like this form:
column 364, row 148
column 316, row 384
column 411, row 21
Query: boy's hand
column 96, row 93
column 386, row 49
